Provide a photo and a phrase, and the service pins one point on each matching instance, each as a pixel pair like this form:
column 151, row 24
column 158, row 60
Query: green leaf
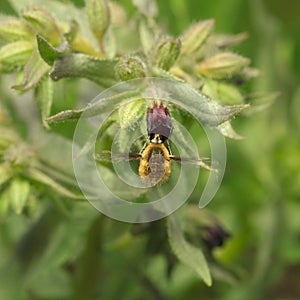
column 223, row 93
column 130, row 112
column 14, row 54
column 188, row 254
column 45, row 179
column 227, row 130
column 73, row 31
column 207, row 110
column 34, row 70
column 101, row 106
column 65, row 115
column 84, row 66
column 48, row 52
column 44, row 96
column 19, row 190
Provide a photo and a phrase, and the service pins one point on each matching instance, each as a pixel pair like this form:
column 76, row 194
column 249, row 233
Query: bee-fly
column 155, row 157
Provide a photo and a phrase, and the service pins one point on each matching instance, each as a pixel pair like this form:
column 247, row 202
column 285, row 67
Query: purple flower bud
column 214, row 236
column 159, row 121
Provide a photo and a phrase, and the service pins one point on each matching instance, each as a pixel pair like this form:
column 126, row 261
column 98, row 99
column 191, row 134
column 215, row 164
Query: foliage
column 54, row 245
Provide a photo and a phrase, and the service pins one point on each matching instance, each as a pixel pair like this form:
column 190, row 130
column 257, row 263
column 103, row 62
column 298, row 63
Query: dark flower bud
column 159, row 121
column 214, row 236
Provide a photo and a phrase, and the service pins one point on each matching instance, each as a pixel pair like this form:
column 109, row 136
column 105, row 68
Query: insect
column 155, row 157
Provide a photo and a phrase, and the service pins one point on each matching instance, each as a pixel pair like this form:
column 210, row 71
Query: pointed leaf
column 101, row 106
column 188, row 254
column 34, row 70
column 48, row 52
column 84, row 66
column 45, row 179
column 65, row 115
column 205, row 109
column 227, row 130
column 223, row 93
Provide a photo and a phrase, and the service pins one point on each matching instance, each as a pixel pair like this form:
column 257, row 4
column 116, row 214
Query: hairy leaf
column 48, row 52
column 101, row 106
column 227, row 130
column 188, row 254
column 45, row 179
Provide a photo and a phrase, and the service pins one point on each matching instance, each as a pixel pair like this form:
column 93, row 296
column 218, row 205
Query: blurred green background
column 258, row 202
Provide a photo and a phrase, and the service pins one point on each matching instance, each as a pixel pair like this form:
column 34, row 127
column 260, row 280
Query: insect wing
column 202, row 162
column 106, row 156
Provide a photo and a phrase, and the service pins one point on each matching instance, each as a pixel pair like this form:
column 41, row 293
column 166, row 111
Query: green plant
column 49, row 56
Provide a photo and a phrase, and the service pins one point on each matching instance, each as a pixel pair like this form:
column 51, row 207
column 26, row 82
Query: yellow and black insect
column 155, row 158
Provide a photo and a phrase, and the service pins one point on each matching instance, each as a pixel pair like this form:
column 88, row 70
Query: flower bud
column 99, row 18
column 214, row 236
column 194, row 38
column 14, row 55
column 14, row 29
column 18, row 193
column 222, row 65
column 44, row 24
column 225, row 41
column 167, row 52
column 130, row 67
